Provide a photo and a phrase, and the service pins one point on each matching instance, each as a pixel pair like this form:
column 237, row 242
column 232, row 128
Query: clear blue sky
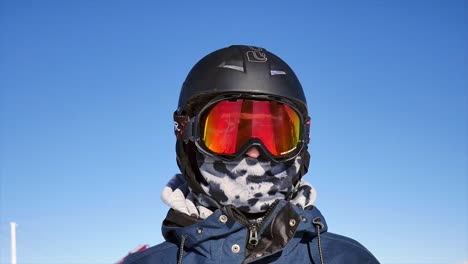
column 87, row 91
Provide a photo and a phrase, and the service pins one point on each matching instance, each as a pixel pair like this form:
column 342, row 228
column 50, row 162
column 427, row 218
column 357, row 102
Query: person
column 242, row 129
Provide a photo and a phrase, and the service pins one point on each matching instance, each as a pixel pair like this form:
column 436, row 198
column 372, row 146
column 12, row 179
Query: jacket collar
column 219, row 224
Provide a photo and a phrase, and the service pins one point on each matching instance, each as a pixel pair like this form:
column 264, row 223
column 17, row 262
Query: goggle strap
column 307, row 128
column 183, row 127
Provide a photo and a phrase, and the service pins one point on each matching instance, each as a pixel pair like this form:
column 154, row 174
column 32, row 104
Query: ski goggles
column 227, row 128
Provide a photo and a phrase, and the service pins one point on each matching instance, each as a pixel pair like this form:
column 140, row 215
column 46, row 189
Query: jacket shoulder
column 341, row 249
column 165, row 252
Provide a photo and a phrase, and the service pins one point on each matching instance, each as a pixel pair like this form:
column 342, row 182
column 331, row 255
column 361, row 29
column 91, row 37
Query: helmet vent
column 275, row 72
column 232, row 67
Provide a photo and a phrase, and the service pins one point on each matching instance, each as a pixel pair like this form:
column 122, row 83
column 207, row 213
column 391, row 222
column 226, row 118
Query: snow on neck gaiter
column 251, row 185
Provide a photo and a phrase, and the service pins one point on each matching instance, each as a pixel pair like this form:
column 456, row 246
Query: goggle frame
column 187, row 128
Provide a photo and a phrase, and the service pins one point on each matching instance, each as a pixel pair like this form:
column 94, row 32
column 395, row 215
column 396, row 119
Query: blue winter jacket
column 289, row 235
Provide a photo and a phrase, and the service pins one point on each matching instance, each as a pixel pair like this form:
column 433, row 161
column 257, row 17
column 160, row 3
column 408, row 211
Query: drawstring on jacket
column 319, row 226
column 181, row 249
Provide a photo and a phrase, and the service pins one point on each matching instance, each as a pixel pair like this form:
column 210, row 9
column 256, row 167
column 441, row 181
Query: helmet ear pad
column 186, row 160
column 305, row 160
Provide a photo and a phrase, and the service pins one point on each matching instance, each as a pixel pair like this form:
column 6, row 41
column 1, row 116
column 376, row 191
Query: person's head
column 242, row 104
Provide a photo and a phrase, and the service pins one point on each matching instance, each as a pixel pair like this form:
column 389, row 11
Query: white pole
column 13, row 242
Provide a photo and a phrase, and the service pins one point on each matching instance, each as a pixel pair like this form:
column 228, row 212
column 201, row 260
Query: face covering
column 251, row 185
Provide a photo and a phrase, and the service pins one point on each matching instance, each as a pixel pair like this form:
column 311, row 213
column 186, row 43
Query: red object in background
column 137, row 249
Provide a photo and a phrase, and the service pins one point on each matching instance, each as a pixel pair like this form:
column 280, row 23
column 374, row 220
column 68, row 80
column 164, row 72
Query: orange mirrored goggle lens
column 229, row 125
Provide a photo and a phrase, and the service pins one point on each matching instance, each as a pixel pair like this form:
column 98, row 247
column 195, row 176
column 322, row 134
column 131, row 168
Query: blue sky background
column 87, row 91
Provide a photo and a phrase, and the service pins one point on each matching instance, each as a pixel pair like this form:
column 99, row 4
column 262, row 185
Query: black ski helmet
column 235, row 69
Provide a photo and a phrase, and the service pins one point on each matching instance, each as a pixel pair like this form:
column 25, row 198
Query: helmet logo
column 256, row 55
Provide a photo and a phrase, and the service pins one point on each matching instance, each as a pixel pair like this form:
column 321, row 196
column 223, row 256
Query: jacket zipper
column 254, row 227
